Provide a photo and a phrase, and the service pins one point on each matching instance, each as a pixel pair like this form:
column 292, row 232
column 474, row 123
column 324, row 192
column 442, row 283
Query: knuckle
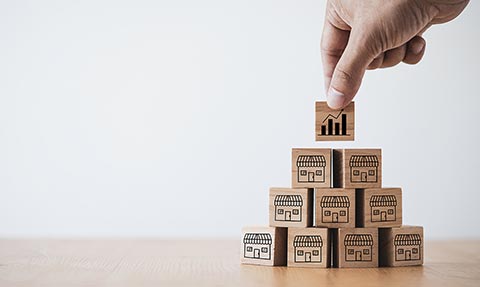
column 342, row 75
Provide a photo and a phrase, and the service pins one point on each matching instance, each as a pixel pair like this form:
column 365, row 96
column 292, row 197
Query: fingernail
column 417, row 48
column 335, row 99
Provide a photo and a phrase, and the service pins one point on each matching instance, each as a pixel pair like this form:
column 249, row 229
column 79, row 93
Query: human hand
column 370, row 34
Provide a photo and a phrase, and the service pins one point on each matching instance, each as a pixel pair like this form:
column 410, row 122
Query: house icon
column 383, row 208
column 257, row 246
column 363, row 168
column 334, row 209
column 288, row 207
column 308, row 248
column 407, row 247
column 311, row 168
column 358, row 247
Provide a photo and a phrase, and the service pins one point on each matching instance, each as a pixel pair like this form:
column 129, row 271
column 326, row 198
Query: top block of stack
column 334, row 125
column 357, row 168
column 311, row 167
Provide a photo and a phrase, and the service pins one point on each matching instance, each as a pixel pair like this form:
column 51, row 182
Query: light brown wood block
column 355, row 247
column 308, row 247
column 335, row 207
column 401, row 246
column 379, row 207
column 311, row 167
column 334, row 125
column 291, row 207
column 264, row 246
column 357, row 168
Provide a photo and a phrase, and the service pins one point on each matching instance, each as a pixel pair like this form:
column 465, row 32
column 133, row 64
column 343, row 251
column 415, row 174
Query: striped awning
column 383, row 200
column 407, row 239
column 358, row 240
column 363, row 161
column 307, row 241
column 335, row 201
column 311, row 161
column 288, row 200
column 257, row 238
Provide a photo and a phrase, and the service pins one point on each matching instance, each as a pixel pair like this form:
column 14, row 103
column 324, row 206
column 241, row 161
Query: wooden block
column 379, row 207
column 334, row 125
column 311, row 167
column 357, row 168
column 355, row 247
column 401, row 246
column 308, row 247
column 291, row 207
column 264, row 246
column 335, row 207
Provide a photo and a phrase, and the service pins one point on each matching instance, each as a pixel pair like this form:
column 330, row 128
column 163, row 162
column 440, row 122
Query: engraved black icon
column 363, row 168
column 334, row 125
column 288, row 207
column 407, row 247
column 257, row 246
column 358, row 247
column 383, row 208
column 311, row 168
column 335, row 209
column 308, row 248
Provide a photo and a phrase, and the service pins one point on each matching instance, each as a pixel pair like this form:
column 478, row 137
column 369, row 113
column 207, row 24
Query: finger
column 376, row 63
column 348, row 73
column 415, row 50
column 333, row 43
column 394, row 56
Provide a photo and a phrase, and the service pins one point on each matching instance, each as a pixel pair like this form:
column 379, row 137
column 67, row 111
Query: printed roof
column 335, row 201
column 363, row 161
column 383, row 200
column 257, row 238
column 307, row 241
column 407, row 239
column 288, row 200
column 311, row 161
column 358, row 240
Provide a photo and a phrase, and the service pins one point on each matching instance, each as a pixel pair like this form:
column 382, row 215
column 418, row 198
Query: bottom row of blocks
column 342, row 247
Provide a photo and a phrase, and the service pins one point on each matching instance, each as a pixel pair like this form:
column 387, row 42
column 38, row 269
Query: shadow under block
column 379, row 207
column 264, row 246
column 335, row 207
column 401, row 246
column 334, row 125
column 357, row 168
column 311, row 167
column 308, row 247
column 355, row 247
column 290, row 207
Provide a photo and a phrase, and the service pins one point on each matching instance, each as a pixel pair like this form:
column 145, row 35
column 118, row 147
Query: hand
column 370, row 34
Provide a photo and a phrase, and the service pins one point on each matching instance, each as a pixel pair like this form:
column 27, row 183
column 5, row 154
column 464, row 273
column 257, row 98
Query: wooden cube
column 401, row 246
column 264, row 246
column 335, row 208
column 357, row 168
column 308, row 247
column 311, row 167
column 291, row 207
column 334, row 125
column 379, row 207
column 355, row 247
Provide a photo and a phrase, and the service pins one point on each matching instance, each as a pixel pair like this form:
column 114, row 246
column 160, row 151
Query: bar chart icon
column 334, row 125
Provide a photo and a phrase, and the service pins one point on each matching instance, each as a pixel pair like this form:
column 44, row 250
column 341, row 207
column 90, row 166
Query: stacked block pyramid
column 336, row 212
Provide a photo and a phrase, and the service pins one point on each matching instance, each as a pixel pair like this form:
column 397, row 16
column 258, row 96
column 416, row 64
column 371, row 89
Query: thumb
column 349, row 71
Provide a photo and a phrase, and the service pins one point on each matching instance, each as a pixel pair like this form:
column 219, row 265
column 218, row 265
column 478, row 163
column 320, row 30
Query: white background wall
column 173, row 118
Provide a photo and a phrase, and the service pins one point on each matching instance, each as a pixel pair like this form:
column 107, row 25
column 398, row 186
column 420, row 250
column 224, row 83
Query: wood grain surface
column 158, row 262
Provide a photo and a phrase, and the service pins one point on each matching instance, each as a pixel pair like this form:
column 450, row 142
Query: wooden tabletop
column 210, row 263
